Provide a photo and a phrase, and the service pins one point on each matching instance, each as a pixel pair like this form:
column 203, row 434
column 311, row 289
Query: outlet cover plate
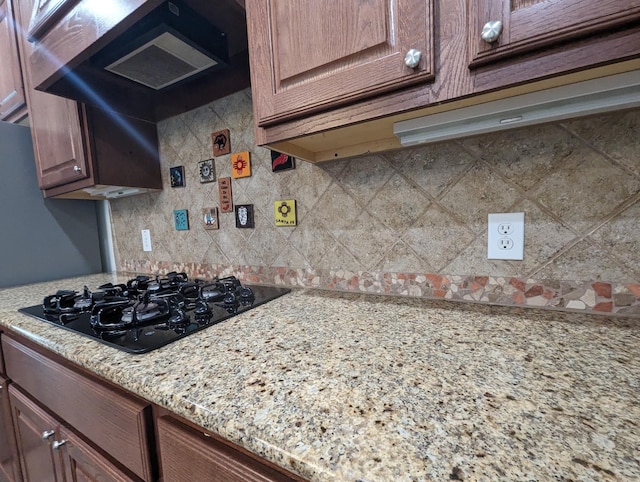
column 505, row 237
column 146, row 240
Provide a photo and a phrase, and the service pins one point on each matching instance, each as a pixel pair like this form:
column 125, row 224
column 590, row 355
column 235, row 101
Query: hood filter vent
column 161, row 62
column 170, row 44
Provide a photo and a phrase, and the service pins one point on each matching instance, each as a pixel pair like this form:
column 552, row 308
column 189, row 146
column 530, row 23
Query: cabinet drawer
column 115, row 422
column 188, row 454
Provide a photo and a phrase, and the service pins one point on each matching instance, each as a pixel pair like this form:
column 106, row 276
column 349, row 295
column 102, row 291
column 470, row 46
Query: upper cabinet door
column 529, row 25
column 309, row 55
column 45, row 14
column 11, row 89
column 55, row 125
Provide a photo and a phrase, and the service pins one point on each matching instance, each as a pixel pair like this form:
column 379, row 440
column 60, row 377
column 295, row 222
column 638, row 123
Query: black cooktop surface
column 147, row 313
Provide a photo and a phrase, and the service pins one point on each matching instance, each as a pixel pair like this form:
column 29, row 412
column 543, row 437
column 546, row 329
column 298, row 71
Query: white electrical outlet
column 146, row 240
column 505, row 238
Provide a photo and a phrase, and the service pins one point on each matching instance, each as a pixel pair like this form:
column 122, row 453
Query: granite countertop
column 345, row 387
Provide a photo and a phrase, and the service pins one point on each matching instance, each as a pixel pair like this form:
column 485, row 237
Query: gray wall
column 40, row 239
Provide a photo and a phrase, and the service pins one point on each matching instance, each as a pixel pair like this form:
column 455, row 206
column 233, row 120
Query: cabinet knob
column 58, row 443
column 77, row 169
column 412, row 58
column 491, row 31
column 48, row 434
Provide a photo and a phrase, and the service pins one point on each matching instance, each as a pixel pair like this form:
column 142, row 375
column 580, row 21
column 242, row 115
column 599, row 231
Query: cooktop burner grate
column 147, row 313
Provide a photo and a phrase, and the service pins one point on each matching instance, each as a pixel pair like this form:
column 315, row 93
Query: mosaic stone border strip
column 586, row 297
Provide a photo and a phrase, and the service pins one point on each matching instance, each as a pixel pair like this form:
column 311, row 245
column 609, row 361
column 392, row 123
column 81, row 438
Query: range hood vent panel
column 161, row 62
column 169, row 45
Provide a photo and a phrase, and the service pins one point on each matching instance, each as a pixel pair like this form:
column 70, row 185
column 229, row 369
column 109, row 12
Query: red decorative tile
column 606, row 307
column 635, row 289
column 518, row 298
column 435, row 280
column 602, row 289
column 439, row 293
column 482, row 280
column 518, row 284
column 536, row 290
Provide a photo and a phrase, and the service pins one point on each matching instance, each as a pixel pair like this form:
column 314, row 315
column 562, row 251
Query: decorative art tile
column 207, row 170
column 210, row 218
column 285, row 212
column 181, row 219
column 221, row 142
column 241, row 164
column 282, row 162
column 176, row 174
column 226, row 198
column 244, row 216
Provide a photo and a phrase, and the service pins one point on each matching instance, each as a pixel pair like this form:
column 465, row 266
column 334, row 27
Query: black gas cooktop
column 146, row 312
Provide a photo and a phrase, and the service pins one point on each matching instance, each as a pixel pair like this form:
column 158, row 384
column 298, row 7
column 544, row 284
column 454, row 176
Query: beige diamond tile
column 265, row 240
column 472, row 261
column 585, row 189
column 333, row 168
column 617, row 135
column 398, row 204
column 437, row 238
column 434, row 168
column 585, row 262
column 477, row 194
column 339, row 258
column 336, row 209
column 621, row 237
column 201, row 123
column 525, row 156
column 214, row 255
column 312, row 240
column 229, row 238
column 364, row 176
column 544, row 237
column 401, row 259
column 367, row 239
column 235, row 111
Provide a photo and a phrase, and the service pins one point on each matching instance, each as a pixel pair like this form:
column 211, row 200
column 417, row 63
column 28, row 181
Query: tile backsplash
column 410, row 222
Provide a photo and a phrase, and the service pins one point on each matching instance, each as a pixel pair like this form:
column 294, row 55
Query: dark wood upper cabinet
column 82, row 152
column 530, row 25
column 308, row 56
column 45, row 14
column 12, row 98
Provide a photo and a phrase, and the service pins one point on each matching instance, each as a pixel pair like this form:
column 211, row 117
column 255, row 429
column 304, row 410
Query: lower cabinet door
column 82, row 463
column 8, row 456
column 36, row 431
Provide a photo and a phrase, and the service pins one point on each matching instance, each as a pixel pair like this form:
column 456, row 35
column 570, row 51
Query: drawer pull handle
column 48, row 434
column 77, row 169
column 57, row 444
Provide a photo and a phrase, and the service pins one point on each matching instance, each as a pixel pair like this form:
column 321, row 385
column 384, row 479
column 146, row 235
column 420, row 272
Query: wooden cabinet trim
column 30, row 421
column 288, row 91
column 8, row 448
column 114, row 421
column 542, row 24
column 12, row 101
column 45, row 14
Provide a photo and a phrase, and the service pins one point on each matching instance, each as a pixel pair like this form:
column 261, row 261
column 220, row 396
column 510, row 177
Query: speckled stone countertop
column 342, row 387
